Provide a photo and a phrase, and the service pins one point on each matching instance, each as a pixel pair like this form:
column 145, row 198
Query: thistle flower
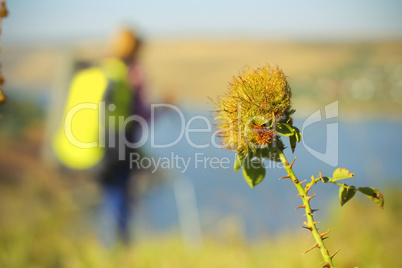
column 247, row 115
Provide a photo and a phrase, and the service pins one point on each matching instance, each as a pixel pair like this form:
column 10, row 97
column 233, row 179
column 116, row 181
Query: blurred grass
column 43, row 224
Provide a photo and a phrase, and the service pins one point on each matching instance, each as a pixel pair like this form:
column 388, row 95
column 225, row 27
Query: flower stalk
column 253, row 118
column 310, row 224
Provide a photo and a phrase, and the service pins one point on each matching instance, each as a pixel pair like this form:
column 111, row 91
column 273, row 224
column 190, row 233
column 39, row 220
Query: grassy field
column 42, row 226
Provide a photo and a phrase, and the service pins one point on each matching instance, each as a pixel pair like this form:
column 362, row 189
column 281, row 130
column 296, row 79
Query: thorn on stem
column 284, row 177
column 315, row 246
column 308, row 213
column 303, row 182
column 291, row 165
column 302, row 206
column 314, row 210
column 321, row 235
column 308, row 198
column 307, row 188
column 333, row 255
column 308, row 228
column 326, row 265
column 322, row 179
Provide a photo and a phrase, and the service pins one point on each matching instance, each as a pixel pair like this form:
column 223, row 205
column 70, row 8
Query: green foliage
column 373, row 194
column 294, row 138
column 297, row 133
column 346, row 193
column 270, row 151
column 339, row 174
column 238, row 162
column 253, row 160
column 293, row 142
column 284, row 129
column 287, row 130
column 253, row 171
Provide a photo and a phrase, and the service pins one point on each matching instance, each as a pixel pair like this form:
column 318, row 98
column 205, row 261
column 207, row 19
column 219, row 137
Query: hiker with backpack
column 102, row 122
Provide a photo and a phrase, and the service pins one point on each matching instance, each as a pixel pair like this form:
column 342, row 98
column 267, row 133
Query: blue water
column 369, row 148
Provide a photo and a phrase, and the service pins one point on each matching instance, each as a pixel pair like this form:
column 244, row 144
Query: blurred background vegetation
column 346, row 52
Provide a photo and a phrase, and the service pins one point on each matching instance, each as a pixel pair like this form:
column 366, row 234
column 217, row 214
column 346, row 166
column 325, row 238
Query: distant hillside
column 193, row 70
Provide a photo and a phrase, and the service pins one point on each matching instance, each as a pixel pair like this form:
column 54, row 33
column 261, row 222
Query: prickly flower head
column 247, row 114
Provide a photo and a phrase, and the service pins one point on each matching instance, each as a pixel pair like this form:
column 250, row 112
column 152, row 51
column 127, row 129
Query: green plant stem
column 309, row 213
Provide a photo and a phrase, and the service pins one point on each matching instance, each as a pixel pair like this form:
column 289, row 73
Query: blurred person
column 92, row 135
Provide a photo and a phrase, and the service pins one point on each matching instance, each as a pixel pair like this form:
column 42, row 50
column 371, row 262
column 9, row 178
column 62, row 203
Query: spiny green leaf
column 375, row 195
column 346, row 193
column 253, row 171
column 284, row 129
column 341, row 174
column 293, row 141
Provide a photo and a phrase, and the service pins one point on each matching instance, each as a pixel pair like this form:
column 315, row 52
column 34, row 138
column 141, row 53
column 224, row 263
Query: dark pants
column 116, row 204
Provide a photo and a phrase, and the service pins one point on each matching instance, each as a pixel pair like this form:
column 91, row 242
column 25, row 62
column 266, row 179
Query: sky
column 51, row 20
